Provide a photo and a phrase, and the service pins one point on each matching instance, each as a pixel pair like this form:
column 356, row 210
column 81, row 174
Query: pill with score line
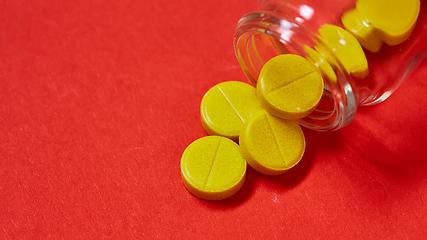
column 272, row 145
column 289, row 87
column 226, row 107
column 213, row 168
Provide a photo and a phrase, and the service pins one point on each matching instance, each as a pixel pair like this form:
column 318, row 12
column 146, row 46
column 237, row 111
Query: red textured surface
column 98, row 100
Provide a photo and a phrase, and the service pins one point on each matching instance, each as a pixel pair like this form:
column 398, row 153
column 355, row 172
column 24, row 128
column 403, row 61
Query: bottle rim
column 258, row 29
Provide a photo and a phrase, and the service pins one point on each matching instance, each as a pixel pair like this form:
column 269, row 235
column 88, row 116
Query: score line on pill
column 226, row 107
column 289, row 87
column 272, row 145
column 213, row 168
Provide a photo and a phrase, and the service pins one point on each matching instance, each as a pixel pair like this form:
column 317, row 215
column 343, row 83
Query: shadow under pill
column 284, row 182
column 314, row 141
column 248, row 188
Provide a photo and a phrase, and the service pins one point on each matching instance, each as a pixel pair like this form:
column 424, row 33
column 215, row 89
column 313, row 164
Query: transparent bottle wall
column 292, row 26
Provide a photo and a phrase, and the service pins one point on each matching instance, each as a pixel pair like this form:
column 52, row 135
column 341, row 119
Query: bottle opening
column 261, row 36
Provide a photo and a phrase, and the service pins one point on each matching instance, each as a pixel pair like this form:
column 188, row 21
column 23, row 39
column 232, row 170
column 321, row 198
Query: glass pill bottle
column 392, row 43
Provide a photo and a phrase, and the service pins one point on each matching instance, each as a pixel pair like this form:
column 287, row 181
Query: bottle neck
column 264, row 34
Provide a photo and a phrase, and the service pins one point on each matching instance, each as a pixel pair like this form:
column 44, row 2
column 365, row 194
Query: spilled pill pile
column 258, row 126
column 262, row 121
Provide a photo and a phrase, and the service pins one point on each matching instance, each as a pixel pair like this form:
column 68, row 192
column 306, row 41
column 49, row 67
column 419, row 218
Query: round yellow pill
column 393, row 20
column 346, row 49
column 289, row 87
column 213, row 168
column 226, row 108
column 272, row 145
column 358, row 24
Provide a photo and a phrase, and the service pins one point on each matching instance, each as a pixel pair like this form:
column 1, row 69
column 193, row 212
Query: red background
column 99, row 98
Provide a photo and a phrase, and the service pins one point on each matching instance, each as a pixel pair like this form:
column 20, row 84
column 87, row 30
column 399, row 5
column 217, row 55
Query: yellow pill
column 272, row 145
column 357, row 24
column 393, row 20
column 213, row 168
column 289, row 87
column 346, row 49
column 226, row 107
